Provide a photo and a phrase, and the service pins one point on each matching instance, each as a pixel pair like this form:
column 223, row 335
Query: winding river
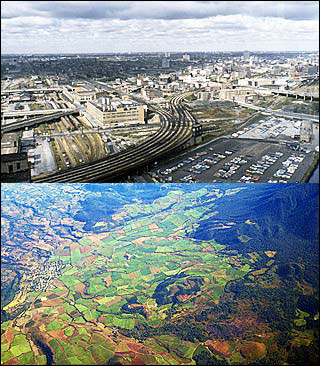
column 46, row 350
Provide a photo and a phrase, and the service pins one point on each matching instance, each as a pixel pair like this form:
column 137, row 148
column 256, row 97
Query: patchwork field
column 147, row 292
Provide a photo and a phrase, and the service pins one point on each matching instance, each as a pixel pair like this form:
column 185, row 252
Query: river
column 46, row 350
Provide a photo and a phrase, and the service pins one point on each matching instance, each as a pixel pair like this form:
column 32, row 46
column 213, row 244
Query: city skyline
column 160, row 26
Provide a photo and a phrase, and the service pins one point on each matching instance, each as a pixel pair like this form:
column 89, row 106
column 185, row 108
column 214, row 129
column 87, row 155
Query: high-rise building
column 186, row 57
column 165, row 63
column 246, row 55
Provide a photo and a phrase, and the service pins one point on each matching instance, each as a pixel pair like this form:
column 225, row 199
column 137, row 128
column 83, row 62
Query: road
column 43, row 158
column 31, row 113
column 36, row 121
column 44, row 90
column 283, row 114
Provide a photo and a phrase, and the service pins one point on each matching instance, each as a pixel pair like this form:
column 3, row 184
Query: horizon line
column 122, row 52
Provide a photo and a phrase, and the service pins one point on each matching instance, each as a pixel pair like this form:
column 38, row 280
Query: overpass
column 12, row 114
column 293, row 94
column 34, row 90
column 287, row 93
column 32, row 122
column 280, row 113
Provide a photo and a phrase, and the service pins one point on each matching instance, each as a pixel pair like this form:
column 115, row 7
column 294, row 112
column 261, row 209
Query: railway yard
column 71, row 150
column 68, row 141
column 65, row 143
column 175, row 131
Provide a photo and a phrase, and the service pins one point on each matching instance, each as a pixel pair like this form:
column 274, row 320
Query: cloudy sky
column 130, row 26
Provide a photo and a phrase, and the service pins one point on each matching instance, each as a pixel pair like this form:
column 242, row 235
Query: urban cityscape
column 183, row 117
column 200, row 116
column 160, row 183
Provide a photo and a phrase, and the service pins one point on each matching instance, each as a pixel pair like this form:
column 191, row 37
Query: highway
column 8, row 114
column 34, row 90
column 288, row 93
column 175, row 131
column 295, row 94
column 35, row 121
column 281, row 113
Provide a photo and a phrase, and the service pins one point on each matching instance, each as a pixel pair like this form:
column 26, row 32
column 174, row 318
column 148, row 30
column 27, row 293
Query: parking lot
column 236, row 160
column 42, row 158
column 270, row 128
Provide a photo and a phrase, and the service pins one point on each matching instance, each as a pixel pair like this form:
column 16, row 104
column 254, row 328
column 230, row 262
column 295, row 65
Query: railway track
column 174, row 132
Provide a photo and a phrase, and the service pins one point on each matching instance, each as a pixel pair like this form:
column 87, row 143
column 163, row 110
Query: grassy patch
column 54, row 325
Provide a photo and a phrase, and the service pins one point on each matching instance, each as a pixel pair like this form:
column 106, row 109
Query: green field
column 143, row 294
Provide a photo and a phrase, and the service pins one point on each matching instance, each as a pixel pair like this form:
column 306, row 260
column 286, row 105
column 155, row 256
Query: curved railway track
column 174, row 132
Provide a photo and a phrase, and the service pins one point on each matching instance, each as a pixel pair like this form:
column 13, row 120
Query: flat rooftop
column 10, row 143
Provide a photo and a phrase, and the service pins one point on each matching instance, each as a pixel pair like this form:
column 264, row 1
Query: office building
column 15, row 168
column 186, row 58
column 165, row 63
column 112, row 112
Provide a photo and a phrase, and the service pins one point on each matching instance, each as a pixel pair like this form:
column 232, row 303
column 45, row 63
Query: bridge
column 34, row 90
column 288, row 93
column 32, row 122
column 280, row 113
column 11, row 114
column 293, row 94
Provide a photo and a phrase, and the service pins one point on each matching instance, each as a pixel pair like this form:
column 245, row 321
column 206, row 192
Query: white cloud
column 87, row 26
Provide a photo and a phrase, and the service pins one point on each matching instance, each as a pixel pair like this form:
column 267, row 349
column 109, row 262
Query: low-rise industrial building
column 108, row 112
column 306, row 131
column 204, row 96
column 237, row 95
column 27, row 139
column 15, row 168
column 79, row 93
column 10, row 143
